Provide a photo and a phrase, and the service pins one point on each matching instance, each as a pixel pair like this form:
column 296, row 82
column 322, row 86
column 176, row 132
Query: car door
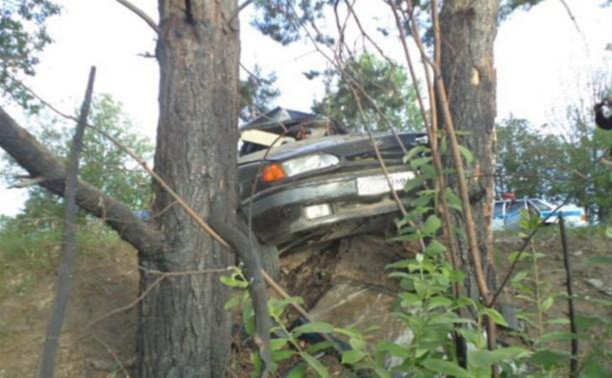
column 499, row 215
column 513, row 214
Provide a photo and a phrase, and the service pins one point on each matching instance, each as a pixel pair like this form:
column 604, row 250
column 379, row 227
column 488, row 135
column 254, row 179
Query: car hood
column 567, row 211
column 339, row 145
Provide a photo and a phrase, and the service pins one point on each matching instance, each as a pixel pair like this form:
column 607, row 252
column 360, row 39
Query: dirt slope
column 107, row 277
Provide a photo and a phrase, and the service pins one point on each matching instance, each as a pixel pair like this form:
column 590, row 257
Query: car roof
column 281, row 116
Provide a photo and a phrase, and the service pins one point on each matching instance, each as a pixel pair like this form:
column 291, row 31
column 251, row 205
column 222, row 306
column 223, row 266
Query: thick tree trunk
column 183, row 328
column 468, row 30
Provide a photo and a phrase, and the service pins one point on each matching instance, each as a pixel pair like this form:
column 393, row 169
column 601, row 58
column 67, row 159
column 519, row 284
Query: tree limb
column 244, row 248
column 39, row 162
column 64, row 281
column 140, row 13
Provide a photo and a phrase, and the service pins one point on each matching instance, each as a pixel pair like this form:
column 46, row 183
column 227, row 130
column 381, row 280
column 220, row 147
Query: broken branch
column 140, row 13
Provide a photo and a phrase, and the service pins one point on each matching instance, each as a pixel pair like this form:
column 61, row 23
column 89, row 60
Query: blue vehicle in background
column 507, row 213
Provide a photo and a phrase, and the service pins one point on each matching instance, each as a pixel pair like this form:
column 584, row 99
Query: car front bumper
column 281, row 212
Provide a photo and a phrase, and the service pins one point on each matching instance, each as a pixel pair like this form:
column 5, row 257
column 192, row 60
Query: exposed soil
column 103, row 281
column 107, row 276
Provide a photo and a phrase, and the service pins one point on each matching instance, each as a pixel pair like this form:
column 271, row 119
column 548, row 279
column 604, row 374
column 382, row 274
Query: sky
column 543, row 61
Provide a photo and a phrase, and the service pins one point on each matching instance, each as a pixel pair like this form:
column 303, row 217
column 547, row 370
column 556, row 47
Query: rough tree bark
column 183, row 328
column 468, row 31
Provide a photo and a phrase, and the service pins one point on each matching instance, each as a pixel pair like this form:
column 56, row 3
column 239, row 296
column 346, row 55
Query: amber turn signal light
column 273, row 172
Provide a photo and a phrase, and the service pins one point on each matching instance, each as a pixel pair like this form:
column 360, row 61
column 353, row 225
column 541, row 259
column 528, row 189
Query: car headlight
column 298, row 166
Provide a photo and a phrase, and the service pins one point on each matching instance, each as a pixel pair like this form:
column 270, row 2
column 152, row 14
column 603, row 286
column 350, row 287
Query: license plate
column 367, row 186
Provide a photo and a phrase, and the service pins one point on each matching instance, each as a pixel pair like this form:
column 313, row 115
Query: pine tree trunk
column 468, row 30
column 183, row 328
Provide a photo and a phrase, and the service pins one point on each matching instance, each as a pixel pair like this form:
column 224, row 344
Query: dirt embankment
column 344, row 281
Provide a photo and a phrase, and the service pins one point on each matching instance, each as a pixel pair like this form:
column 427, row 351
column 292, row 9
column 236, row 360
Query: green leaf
column 233, row 282
column 350, row 332
column 352, row 356
column 595, row 369
column 416, row 163
column 496, row 316
column 602, row 302
column 436, row 302
column 320, row 346
column 438, row 365
column 414, row 183
column 548, row 358
column 316, row 365
column 585, row 322
column 434, row 248
column 467, row 155
column 248, row 319
column 474, row 337
column 547, row 303
column 486, row 358
column 392, row 349
column 298, row 371
column 518, row 277
column 454, row 275
column 556, row 336
column 233, row 302
column 453, row 200
column 432, row 224
column 559, row 321
column 450, row 320
column 357, row 343
column 277, row 306
column 409, row 237
column 281, row 355
column 277, row 344
column 313, row 327
column 414, row 152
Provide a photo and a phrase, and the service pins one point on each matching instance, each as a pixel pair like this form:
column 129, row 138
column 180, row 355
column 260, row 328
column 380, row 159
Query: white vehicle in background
column 507, row 213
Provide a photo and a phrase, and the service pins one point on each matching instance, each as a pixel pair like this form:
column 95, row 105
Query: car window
column 541, row 205
column 515, row 206
column 498, row 212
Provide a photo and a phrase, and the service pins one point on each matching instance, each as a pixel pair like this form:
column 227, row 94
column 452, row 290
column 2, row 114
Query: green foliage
column 29, row 251
column 256, row 94
column 506, row 7
column 377, row 88
column 547, row 334
column 102, row 165
column 282, row 20
column 22, row 36
column 533, row 164
column 425, row 305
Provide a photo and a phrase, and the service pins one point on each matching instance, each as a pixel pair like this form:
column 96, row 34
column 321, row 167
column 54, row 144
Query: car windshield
column 541, row 205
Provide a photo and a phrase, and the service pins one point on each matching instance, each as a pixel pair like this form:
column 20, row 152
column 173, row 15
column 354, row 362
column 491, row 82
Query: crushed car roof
column 343, row 145
column 281, row 116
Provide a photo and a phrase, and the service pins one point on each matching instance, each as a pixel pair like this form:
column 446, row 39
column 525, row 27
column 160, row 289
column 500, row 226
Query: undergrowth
column 438, row 321
column 29, row 252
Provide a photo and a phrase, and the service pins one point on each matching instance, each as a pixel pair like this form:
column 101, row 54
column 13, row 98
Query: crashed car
column 304, row 178
column 508, row 213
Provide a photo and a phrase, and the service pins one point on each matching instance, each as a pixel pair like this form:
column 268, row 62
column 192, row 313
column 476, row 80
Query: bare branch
column 26, row 182
column 64, row 281
column 570, row 299
column 39, row 162
column 239, row 9
column 140, row 13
